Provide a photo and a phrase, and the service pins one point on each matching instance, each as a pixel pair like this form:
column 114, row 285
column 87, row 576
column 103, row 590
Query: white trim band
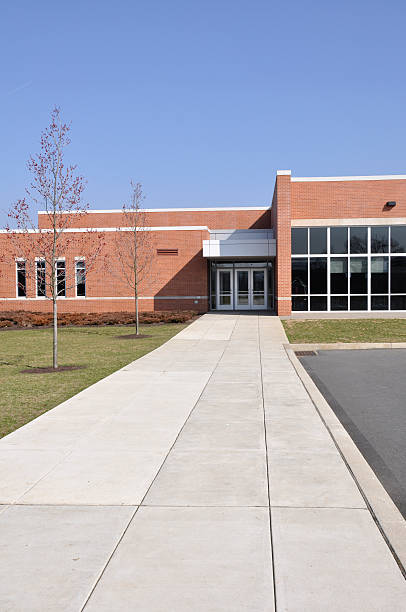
column 347, row 221
column 377, row 177
column 160, row 210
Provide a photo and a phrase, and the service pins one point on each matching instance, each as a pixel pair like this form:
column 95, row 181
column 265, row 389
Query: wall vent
column 167, row 251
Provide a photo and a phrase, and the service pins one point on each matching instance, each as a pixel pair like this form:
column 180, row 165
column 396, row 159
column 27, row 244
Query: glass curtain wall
column 349, row 268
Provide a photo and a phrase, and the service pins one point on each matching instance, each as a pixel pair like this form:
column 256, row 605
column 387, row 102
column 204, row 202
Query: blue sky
column 203, row 101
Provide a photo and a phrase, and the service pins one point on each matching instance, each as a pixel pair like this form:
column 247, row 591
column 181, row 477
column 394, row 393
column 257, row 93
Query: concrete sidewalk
column 199, row 477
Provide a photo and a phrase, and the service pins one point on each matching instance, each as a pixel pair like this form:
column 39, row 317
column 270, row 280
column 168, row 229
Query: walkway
column 198, row 478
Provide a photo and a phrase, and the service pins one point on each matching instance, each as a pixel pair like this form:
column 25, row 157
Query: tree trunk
column 137, row 322
column 55, row 335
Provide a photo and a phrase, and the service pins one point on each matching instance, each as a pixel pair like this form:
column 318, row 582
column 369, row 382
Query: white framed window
column 349, row 268
column 60, row 278
column 21, row 278
column 41, row 286
column 80, row 277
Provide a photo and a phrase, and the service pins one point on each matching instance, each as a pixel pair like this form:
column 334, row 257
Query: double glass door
column 241, row 289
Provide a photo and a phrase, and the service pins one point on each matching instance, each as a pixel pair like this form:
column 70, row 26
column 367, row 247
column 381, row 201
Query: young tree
column 134, row 247
column 58, row 189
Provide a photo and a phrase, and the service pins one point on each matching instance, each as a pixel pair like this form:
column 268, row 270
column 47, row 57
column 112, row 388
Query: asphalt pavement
column 367, row 391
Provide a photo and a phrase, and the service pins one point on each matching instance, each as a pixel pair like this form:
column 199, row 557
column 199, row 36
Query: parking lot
column 367, row 391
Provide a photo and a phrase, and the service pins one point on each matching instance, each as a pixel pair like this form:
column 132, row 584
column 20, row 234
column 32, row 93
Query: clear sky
column 202, row 101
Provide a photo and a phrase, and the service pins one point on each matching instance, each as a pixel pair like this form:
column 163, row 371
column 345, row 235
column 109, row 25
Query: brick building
column 325, row 244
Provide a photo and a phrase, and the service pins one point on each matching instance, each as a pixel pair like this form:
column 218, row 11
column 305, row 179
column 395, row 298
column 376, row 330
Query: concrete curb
column 384, row 512
column 334, row 346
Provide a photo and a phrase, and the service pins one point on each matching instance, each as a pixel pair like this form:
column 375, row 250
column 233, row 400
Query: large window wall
column 349, row 268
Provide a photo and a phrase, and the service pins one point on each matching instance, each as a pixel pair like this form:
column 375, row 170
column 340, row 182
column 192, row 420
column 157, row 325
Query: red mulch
column 21, row 319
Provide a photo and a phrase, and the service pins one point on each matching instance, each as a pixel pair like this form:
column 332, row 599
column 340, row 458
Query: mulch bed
column 27, row 320
column 51, row 370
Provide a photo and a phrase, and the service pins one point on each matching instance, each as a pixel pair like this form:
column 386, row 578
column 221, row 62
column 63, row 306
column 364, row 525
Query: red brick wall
column 348, row 199
column 281, row 222
column 223, row 219
column 170, row 276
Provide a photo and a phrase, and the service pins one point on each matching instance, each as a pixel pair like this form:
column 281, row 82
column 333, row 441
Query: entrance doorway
column 241, row 288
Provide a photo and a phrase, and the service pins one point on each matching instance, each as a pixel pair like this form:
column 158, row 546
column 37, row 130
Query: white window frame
column 37, row 260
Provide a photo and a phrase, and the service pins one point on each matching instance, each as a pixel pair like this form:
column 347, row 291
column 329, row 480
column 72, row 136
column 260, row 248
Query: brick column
column 282, row 228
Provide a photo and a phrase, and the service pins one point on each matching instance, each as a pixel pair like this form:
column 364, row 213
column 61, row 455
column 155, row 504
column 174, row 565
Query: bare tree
column 134, row 247
column 58, row 189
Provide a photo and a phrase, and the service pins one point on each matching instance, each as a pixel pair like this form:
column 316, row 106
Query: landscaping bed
column 95, row 352
column 22, row 319
column 318, row 331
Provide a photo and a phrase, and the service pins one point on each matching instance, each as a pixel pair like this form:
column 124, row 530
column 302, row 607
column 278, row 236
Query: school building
column 324, row 244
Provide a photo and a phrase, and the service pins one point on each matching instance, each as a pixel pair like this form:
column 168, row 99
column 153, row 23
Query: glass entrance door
column 250, row 289
column 242, row 289
column 224, row 289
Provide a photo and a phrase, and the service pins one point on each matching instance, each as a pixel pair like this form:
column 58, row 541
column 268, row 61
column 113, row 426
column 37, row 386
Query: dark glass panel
column 379, row 239
column 21, row 279
column 213, row 278
column 398, row 239
column 258, row 280
column 318, row 275
column 318, row 303
column 358, row 240
column 379, row 302
column 358, row 276
column 60, row 278
column 299, row 240
column 299, row 303
column 339, row 303
column 339, row 275
column 359, row 302
column 338, row 240
column 41, row 282
column 299, row 276
column 318, row 240
column 225, row 281
column 398, row 302
column 398, row 274
column 379, row 274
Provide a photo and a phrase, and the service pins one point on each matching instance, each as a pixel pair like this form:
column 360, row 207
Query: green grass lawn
column 345, row 330
column 25, row 396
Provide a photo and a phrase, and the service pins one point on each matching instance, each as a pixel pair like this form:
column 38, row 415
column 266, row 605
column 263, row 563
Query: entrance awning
column 240, row 244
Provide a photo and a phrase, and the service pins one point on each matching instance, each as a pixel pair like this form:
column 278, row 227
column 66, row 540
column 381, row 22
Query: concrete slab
column 211, row 478
column 21, row 469
column 200, row 434
column 184, row 559
column 55, row 554
column 335, row 560
column 312, row 479
column 98, row 477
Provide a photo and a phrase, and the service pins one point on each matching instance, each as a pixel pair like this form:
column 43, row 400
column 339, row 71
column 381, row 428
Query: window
column 299, row 276
column 358, row 240
column 80, row 270
column 349, row 268
column 318, row 240
column 21, row 279
column 60, row 278
column 398, row 239
column 339, row 240
column 318, row 275
column 339, row 275
column 299, row 241
column 358, row 275
column 398, row 274
column 379, row 274
column 379, row 239
column 41, row 279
